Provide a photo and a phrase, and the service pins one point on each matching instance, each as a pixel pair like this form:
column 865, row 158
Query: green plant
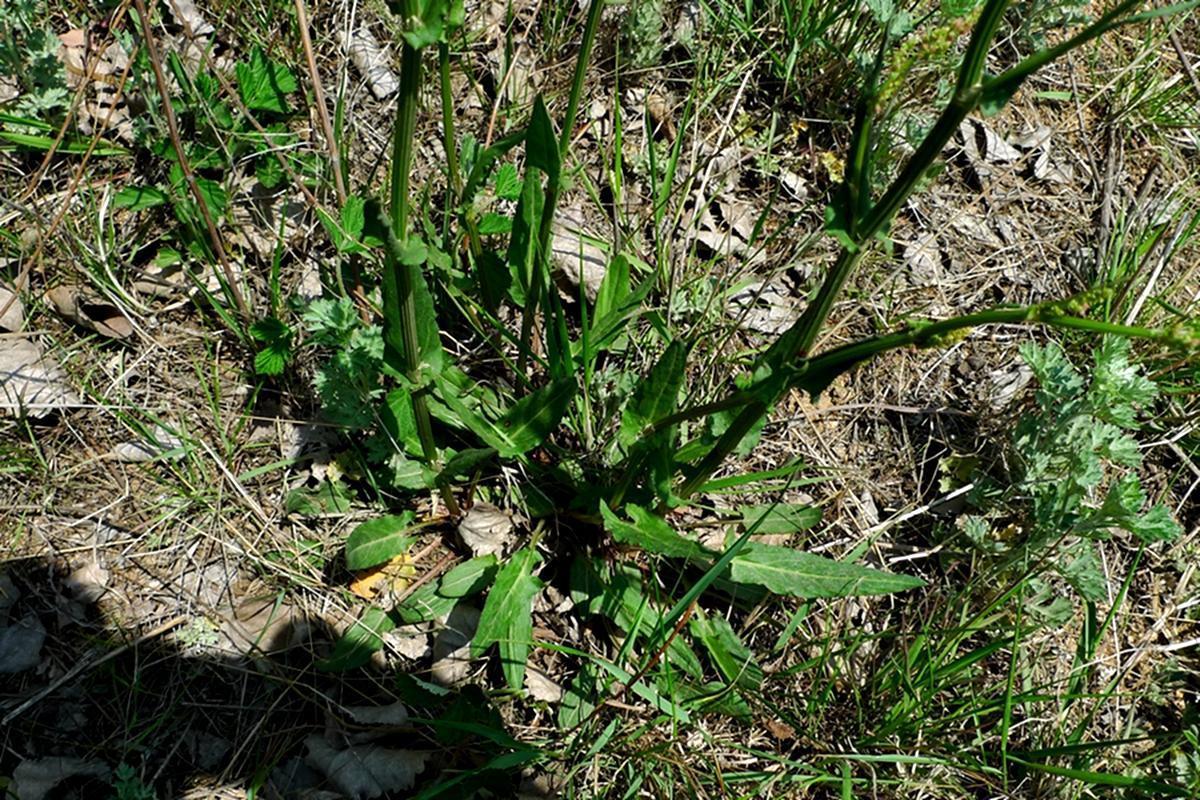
column 128, row 786
column 29, row 58
column 1063, row 492
column 604, row 449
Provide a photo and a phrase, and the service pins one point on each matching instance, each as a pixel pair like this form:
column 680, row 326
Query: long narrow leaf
column 792, row 572
column 507, row 618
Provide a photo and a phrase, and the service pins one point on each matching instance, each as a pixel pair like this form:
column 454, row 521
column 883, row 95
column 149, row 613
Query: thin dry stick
column 188, row 176
column 1183, row 59
column 85, row 665
column 335, row 158
column 89, row 69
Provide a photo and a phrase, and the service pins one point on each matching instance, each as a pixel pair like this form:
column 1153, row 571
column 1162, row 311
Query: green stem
column 399, row 276
column 814, row 375
column 798, row 340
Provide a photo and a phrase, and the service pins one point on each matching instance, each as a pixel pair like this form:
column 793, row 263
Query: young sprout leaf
column 507, row 183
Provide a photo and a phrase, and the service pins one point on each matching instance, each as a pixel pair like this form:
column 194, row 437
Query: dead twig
column 189, row 176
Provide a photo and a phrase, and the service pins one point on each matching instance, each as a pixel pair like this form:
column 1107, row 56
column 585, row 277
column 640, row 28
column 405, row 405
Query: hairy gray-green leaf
column 534, row 417
column 656, row 396
column 732, row 657
column 780, row 518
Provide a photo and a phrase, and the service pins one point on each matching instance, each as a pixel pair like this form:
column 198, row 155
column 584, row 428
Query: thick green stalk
column 814, row 375
column 399, row 277
column 798, row 340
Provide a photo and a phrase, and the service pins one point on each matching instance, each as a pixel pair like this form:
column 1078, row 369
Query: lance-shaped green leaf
column 507, row 617
column 541, row 143
column 468, row 578
column 656, row 396
column 357, row 644
column 651, row 532
column 780, row 518
column 791, row 572
column 436, row 600
column 532, row 418
column 398, row 422
column 379, row 540
column 732, row 657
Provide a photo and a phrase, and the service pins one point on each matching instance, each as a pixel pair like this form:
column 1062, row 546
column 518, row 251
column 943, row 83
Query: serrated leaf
column 269, row 172
column 264, row 84
column 1156, row 525
column 272, row 359
column 359, row 641
column 650, row 532
column 1085, row 573
column 270, row 329
column 541, row 143
column 507, row 617
column 780, row 518
column 379, row 540
column 792, row 572
column 491, row 224
column 532, row 418
column 656, row 396
column 139, row 198
column 507, row 182
column 732, row 657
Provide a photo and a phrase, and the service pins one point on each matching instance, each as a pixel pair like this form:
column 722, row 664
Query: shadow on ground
column 86, row 707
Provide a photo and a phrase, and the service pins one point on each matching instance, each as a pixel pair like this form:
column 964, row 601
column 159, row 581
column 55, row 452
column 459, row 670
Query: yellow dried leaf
column 392, row 578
